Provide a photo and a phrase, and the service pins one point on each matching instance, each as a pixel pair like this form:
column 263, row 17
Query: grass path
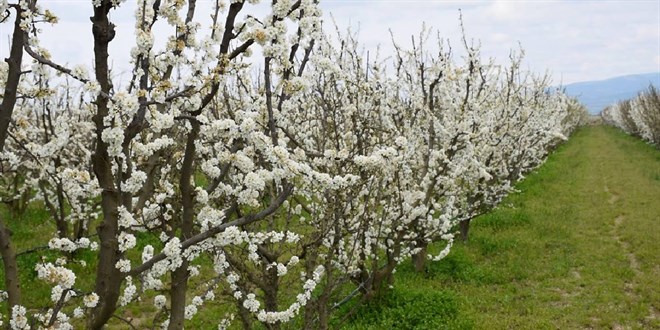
column 577, row 248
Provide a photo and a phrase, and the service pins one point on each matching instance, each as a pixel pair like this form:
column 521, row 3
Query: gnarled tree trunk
column 108, row 277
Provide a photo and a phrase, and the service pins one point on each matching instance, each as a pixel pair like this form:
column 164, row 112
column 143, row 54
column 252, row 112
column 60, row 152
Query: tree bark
column 12, row 285
column 180, row 275
column 419, row 259
column 13, row 77
column 108, row 277
column 465, row 228
column 270, row 294
column 178, row 290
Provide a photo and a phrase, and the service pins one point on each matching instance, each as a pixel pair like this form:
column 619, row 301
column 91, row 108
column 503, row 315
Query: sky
column 574, row 40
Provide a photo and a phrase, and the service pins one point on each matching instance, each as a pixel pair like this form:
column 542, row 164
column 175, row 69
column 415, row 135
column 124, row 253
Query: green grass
column 552, row 256
column 408, row 306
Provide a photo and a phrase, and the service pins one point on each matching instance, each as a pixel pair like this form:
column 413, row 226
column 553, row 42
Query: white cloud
column 503, row 10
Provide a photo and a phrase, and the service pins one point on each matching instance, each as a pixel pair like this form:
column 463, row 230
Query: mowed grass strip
column 577, row 248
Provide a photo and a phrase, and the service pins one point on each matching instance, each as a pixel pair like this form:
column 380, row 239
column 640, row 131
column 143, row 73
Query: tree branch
column 275, row 204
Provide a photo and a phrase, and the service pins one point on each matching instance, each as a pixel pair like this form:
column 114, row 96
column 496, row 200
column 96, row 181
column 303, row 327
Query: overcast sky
column 575, row 40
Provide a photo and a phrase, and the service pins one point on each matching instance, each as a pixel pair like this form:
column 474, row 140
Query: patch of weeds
column 455, row 266
column 407, row 308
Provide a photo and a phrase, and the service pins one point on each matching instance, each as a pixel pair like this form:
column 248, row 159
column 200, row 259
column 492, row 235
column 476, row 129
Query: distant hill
column 596, row 95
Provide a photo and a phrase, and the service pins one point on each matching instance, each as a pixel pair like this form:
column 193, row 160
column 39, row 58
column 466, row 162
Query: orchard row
column 639, row 116
column 258, row 163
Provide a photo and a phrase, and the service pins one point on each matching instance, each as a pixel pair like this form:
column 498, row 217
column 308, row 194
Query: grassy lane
column 578, row 248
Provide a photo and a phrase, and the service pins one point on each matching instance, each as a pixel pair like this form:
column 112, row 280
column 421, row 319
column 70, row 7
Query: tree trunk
column 13, row 77
column 179, row 286
column 270, row 294
column 419, row 259
column 108, row 277
column 178, row 290
column 62, row 224
column 323, row 311
column 12, row 285
column 244, row 314
column 465, row 228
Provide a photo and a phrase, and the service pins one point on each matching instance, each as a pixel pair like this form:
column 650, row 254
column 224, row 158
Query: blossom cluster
column 639, row 116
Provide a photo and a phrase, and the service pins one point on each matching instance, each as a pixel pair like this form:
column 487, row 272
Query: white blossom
column 124, row 265
column 91, row 300
column 18, row 319
column 160, row 301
